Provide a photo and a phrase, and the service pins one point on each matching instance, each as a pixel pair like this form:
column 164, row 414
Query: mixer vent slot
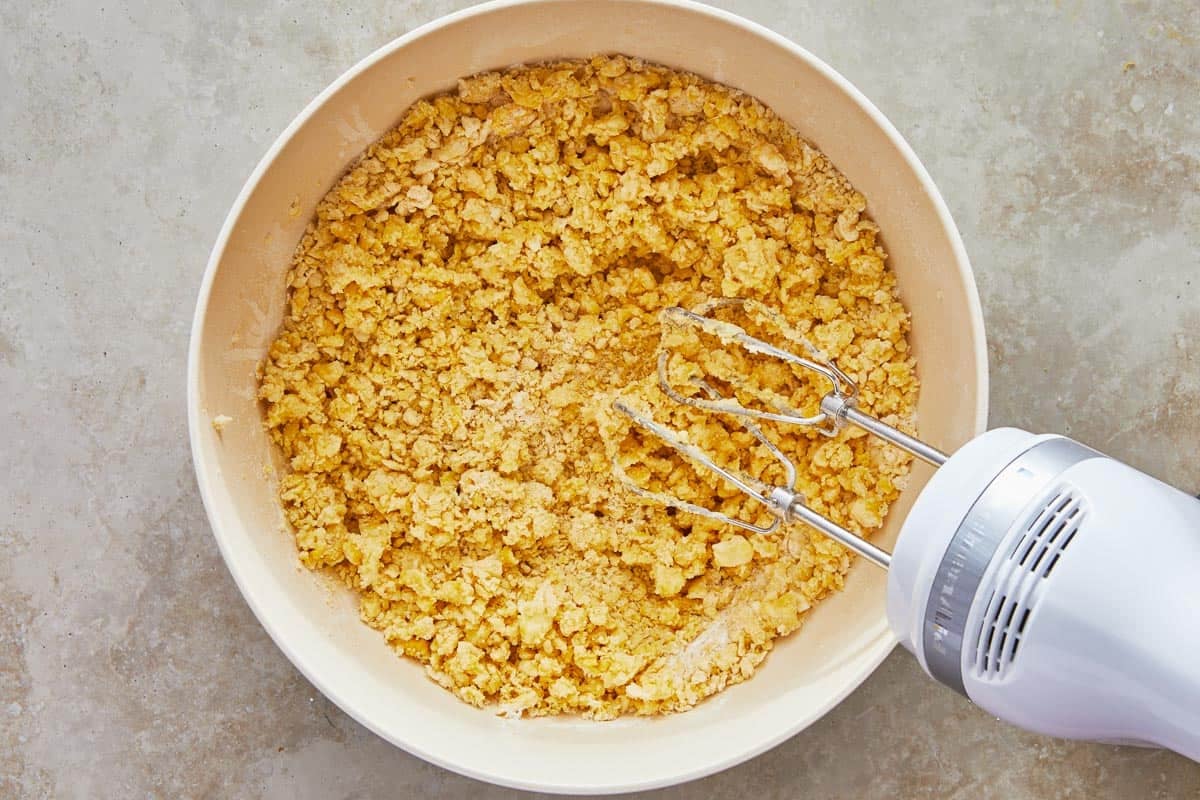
column 1047, row 536
column 1016, row 583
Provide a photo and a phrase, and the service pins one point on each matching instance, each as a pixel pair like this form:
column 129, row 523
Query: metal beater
column 838, row 408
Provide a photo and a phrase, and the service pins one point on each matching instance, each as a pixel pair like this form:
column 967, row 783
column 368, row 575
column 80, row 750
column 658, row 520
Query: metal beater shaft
column 839, row 408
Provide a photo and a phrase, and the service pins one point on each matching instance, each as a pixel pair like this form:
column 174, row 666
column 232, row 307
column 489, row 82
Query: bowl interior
column 316, row 624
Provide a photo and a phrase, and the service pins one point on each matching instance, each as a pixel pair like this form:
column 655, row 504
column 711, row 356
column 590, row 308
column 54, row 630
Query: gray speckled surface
column 1065, row 137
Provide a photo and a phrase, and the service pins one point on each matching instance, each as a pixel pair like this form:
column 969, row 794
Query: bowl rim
column 196, row 422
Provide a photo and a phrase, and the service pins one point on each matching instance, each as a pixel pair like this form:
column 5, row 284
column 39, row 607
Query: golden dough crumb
column 732, row 552
column 463, row 309
column 220, row 421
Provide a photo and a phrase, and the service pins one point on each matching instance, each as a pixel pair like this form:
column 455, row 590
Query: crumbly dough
column 464, row 308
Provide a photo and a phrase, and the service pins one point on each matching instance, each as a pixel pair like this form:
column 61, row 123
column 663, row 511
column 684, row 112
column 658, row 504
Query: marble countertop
column 1064, row 135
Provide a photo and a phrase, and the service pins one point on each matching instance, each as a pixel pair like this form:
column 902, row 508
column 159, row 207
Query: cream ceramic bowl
column 241, row 305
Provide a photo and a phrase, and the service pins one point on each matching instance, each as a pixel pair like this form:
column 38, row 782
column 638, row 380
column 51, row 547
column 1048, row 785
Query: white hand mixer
column 1013, row 579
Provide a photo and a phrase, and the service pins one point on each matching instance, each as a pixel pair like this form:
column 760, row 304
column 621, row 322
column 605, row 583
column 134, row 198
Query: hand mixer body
column 1058, row 589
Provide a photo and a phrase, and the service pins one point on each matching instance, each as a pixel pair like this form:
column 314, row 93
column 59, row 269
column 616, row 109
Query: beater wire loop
column 840, row 385
column 757, row 490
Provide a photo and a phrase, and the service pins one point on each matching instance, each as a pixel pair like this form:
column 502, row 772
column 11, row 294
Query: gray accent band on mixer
column 974, row 543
